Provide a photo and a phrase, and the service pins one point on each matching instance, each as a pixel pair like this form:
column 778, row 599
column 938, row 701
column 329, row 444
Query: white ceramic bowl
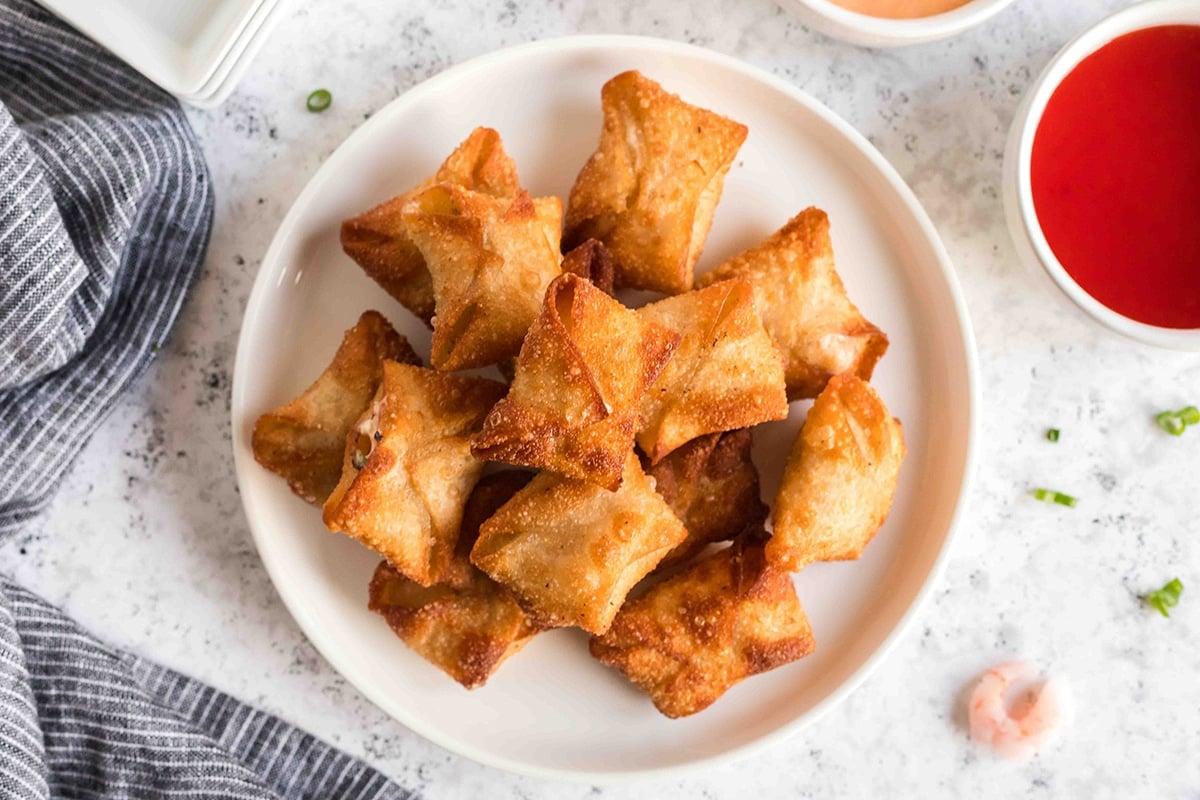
column 1023, row 223
column 552, row 710
column 850, row 26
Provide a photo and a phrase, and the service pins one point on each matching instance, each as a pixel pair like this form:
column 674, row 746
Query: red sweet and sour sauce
column 1116, row 175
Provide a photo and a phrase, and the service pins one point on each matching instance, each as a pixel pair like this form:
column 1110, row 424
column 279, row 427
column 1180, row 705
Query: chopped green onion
column 319, row 100
column 1052, row 434
column 1176, row 422
column 1166, row 597
column 1051, row 496
column 1171, row 422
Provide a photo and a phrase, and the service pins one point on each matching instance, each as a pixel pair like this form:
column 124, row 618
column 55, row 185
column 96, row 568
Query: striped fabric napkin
column 105, row 213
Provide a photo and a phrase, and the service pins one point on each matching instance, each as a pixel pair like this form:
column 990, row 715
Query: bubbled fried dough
column 376, row 239
column 804, row 305
column 579, row 381
column 570, row 551
column 840, row 477
column 690, row 638
column 467, row 625
column 725, row 374
column 650, row 190
column 303, row 441
column 408, row 468
column 491, row 260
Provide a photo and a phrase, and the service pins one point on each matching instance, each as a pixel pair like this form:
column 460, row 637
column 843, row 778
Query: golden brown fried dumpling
column 712, row 486
column 376, row 238
column 491, row 260
column 693, row 636
column 840, row 477
column 725, row 374
column 408, row 468
column 580, row 378
column 303, row 441
column 570, row 550
column 592, row 260
column 468, row 624
column 650, row 189
column 804, row 305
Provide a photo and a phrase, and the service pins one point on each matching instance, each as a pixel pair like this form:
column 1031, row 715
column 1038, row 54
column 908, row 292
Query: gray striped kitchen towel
column 105, row 213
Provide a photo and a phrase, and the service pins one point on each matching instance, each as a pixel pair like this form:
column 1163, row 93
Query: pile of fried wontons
column 479, row 558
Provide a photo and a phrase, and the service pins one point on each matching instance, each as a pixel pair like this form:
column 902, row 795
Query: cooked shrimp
column 1017, row 731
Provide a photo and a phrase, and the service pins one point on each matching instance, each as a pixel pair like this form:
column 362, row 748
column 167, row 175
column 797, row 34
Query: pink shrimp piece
column 1017, row 731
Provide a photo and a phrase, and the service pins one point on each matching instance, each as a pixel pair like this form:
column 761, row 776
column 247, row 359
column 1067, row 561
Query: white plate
column 178, row 44
column 216, row 90
column 552, row 710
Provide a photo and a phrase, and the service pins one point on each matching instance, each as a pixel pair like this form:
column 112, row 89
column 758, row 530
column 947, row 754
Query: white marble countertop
column 146, row 543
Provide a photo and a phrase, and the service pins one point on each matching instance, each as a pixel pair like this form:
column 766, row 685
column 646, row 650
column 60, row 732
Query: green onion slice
column 1166, row 597
column 1052, row 434
column 1051, row 496
column 1176, row 422
column 319, row 100
column 1190, row 415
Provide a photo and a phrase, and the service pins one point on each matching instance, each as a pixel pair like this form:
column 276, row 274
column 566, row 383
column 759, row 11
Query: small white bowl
column 1023, row 223
column 862, row 29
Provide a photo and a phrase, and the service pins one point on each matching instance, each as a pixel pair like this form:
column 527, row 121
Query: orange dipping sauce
column 900, row 9
column 1115, row 175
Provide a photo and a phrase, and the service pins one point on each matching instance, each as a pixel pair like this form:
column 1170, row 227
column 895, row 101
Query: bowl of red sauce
column 892, row 23
column 1102, row 173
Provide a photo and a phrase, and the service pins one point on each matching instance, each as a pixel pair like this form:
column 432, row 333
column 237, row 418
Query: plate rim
column 243, row 459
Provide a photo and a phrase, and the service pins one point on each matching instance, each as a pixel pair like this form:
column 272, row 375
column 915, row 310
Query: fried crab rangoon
column 650, row 189
column 408, row 468
column 804, row 305
column 376, row 239
column 725, row 374
column 491, row 260
column 304, row 440
column 570, row 551
column 468, row 624
column 712, row 486
column 580, row 379
column 840, row 478
column 687, row 640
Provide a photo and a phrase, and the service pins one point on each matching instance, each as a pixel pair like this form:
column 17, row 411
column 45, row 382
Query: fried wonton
column 408, row 468
column 376, row 239
column 650, row 189
column 468, row 624
column 491, row 260
column 303, row 441
column 804, row 305
column 725, row 374
column 693, row 636
column 712, row 486
column 591, row 260
column 570, row 550
column 840, row 478
column 579, row 382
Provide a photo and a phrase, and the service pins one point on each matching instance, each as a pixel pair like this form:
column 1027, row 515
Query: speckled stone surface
column 146, row 543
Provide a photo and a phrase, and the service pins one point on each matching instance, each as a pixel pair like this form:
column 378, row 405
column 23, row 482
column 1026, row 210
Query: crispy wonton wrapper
column 303, row 441
column 408, row 468
column 491, row 260
column 693, row 636
column 804, row 305
column 468, row 624
column 650, row 189
column 840, row 478
column 725, row 374
column 580, row 378
column 376, row 239
column 592, row 260
column 570, row 550
column 712, row 486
